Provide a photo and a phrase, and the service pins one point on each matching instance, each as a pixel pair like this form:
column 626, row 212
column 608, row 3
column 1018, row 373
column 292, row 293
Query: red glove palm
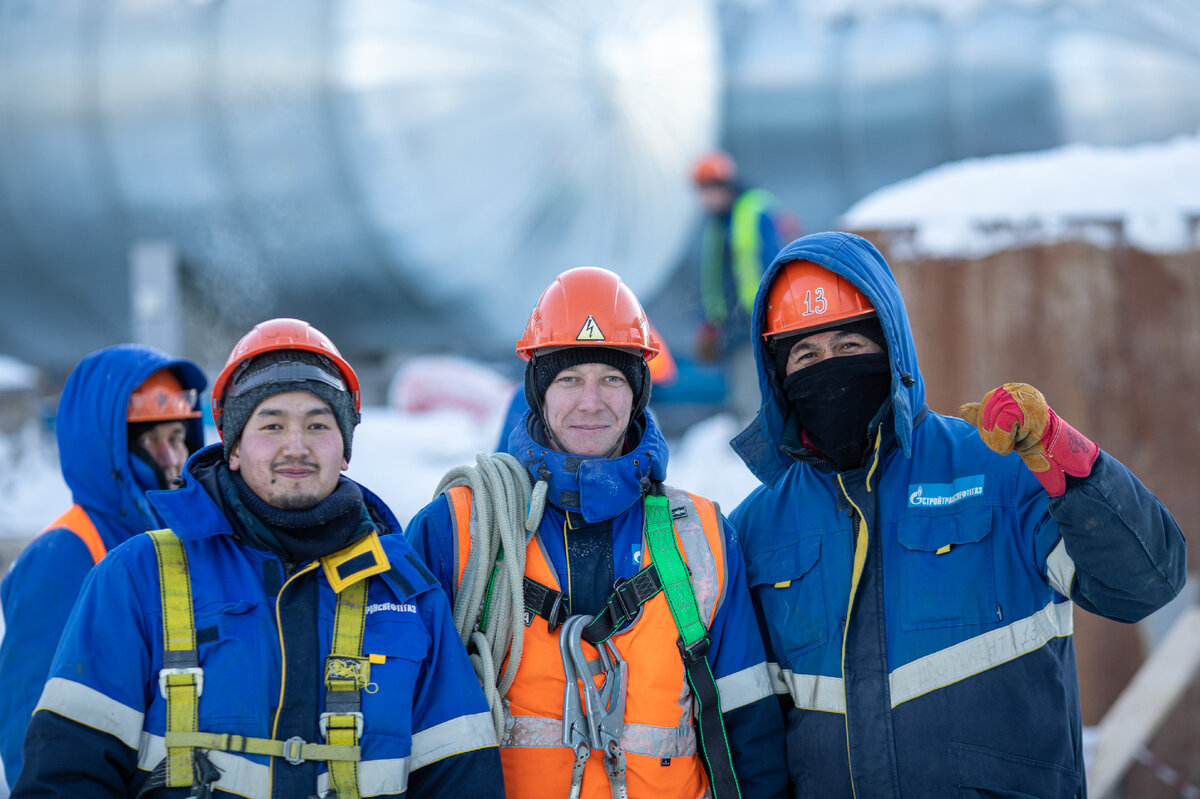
column 1015, row 417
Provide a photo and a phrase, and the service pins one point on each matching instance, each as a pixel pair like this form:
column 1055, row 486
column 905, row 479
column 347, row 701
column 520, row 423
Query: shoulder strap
column 76, row 520
column 181, row 682
column 694, row 642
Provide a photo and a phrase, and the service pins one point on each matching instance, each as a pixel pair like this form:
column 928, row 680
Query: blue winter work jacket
column 918, row 609
column 263, row 628
column 603, row 542
column 108, row 485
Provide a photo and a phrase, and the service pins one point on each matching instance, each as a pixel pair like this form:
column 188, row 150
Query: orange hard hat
column 714, row 167
column 805, row 296
column 281, row 334
column 588, row 307
column 162, row 398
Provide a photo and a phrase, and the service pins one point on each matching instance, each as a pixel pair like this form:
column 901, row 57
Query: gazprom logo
column 934, row 495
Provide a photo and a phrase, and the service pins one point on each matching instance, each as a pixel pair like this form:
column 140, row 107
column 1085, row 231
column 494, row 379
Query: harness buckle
column 693, row 653
column 556, row 613
column 195, row 671
column 323, row 724
column 292, row 750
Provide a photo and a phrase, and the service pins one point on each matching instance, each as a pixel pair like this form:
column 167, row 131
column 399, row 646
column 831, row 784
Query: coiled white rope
column 505, row 511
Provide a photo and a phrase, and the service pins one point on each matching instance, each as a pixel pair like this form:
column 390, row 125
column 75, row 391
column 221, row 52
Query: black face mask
column 836, row 399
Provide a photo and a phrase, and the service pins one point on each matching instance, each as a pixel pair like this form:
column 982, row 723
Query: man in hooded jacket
column 588, row 437
column 914, row 571
column 127, row 419
column 276, row 640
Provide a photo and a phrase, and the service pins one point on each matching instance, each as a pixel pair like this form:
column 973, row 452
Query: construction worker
column 611, row 673
column 274, row 640
column 915, row 572
column 743, row 229
column 127, row 420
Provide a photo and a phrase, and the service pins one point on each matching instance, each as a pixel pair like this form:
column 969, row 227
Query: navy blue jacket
column 918, row 609
column 263, row 629
column 39, row 590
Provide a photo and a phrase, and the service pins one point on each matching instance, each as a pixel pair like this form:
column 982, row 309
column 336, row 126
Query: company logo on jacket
column 407, row 607
column 930, row 495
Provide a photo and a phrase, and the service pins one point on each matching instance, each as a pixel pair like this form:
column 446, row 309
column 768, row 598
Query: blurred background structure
column 409, row 174
column 406, row 173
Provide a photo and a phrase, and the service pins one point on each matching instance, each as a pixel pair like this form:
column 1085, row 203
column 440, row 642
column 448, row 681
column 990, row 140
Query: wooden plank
column 1144, row 704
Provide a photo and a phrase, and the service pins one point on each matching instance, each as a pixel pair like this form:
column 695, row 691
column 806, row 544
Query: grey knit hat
column 281, row 371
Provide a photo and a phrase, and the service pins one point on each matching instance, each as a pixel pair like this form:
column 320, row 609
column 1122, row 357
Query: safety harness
column 181, row 683
column 594, row 719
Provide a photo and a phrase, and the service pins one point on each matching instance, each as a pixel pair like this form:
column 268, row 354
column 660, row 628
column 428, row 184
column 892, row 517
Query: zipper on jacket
column 290, row 576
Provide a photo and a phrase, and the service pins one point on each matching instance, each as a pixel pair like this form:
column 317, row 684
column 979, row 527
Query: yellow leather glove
column 1015, row 418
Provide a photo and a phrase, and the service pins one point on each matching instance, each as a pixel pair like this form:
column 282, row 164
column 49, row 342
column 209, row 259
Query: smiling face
column 290, row 452
column 587, row 409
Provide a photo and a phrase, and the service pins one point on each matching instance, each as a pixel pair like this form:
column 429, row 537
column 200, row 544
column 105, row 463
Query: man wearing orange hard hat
column 610, row 621
column 127, row 420
column 916, row 572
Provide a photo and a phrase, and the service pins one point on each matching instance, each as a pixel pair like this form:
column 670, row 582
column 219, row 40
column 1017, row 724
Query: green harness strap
column 181, row 682
column 694, row 642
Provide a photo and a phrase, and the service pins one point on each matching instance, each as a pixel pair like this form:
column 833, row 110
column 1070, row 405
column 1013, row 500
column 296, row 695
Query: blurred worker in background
column 275, row 640
column 743, row 229
column 598, row 581
column 916, row 572
column 127, row 420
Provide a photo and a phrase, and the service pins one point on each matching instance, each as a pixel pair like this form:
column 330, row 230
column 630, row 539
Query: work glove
column 1015, row 417
column 708, row 342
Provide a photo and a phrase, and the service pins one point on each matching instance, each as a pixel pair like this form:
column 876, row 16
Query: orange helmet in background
column 281, row 334
column 588, row 307
column 806, row 296
column 714, row 167
column 162, row 398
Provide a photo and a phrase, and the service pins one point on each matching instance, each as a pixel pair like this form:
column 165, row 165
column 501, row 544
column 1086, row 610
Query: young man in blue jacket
column 276, row 640
column 599, row 593
column 127, row 420
column 914, row 571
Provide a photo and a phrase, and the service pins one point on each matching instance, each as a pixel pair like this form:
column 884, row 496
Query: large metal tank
column 828, row 101
column 406, row 174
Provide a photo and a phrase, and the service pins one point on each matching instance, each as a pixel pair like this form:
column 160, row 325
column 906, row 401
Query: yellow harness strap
column 181, row 680
column 347, row 673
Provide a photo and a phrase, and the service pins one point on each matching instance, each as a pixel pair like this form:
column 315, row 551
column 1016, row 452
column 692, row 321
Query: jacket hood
column 596, row 488
column 856, row 260
column 91, row 429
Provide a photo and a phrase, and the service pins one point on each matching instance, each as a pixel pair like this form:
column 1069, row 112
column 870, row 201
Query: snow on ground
column 976, row 206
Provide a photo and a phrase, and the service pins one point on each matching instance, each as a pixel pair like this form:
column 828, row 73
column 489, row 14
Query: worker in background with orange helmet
column 274, row 639
column 743, row 229
column 127, row 420
column 915, row 572
column 610, row 624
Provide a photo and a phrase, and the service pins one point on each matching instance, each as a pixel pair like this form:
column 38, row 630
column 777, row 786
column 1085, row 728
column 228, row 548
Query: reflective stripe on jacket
column 745, row 246
column 658, row 736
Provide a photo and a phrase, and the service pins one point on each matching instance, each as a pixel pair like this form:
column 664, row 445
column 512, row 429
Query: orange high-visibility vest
column 658, row 738
column 78, row 522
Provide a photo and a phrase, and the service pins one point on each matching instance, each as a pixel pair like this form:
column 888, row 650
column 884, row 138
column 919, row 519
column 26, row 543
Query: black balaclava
column 834, row 402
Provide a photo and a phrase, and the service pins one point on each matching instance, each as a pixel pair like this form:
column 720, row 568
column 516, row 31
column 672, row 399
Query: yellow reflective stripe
column 453, row 737
column 241, row 744
column 543, row 732
column 1060, row 570
column 747, row 244
column 89, row 707
column 347, row 670
column 744, row 687
column 179, row 636
column 983, row 652
column 942, row 668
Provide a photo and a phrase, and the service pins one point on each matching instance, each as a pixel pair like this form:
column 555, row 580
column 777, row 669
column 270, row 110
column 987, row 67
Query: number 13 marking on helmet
column 814, row 302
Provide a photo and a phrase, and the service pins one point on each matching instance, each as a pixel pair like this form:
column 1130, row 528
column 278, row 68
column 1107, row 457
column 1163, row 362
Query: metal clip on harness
column 595, row 719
